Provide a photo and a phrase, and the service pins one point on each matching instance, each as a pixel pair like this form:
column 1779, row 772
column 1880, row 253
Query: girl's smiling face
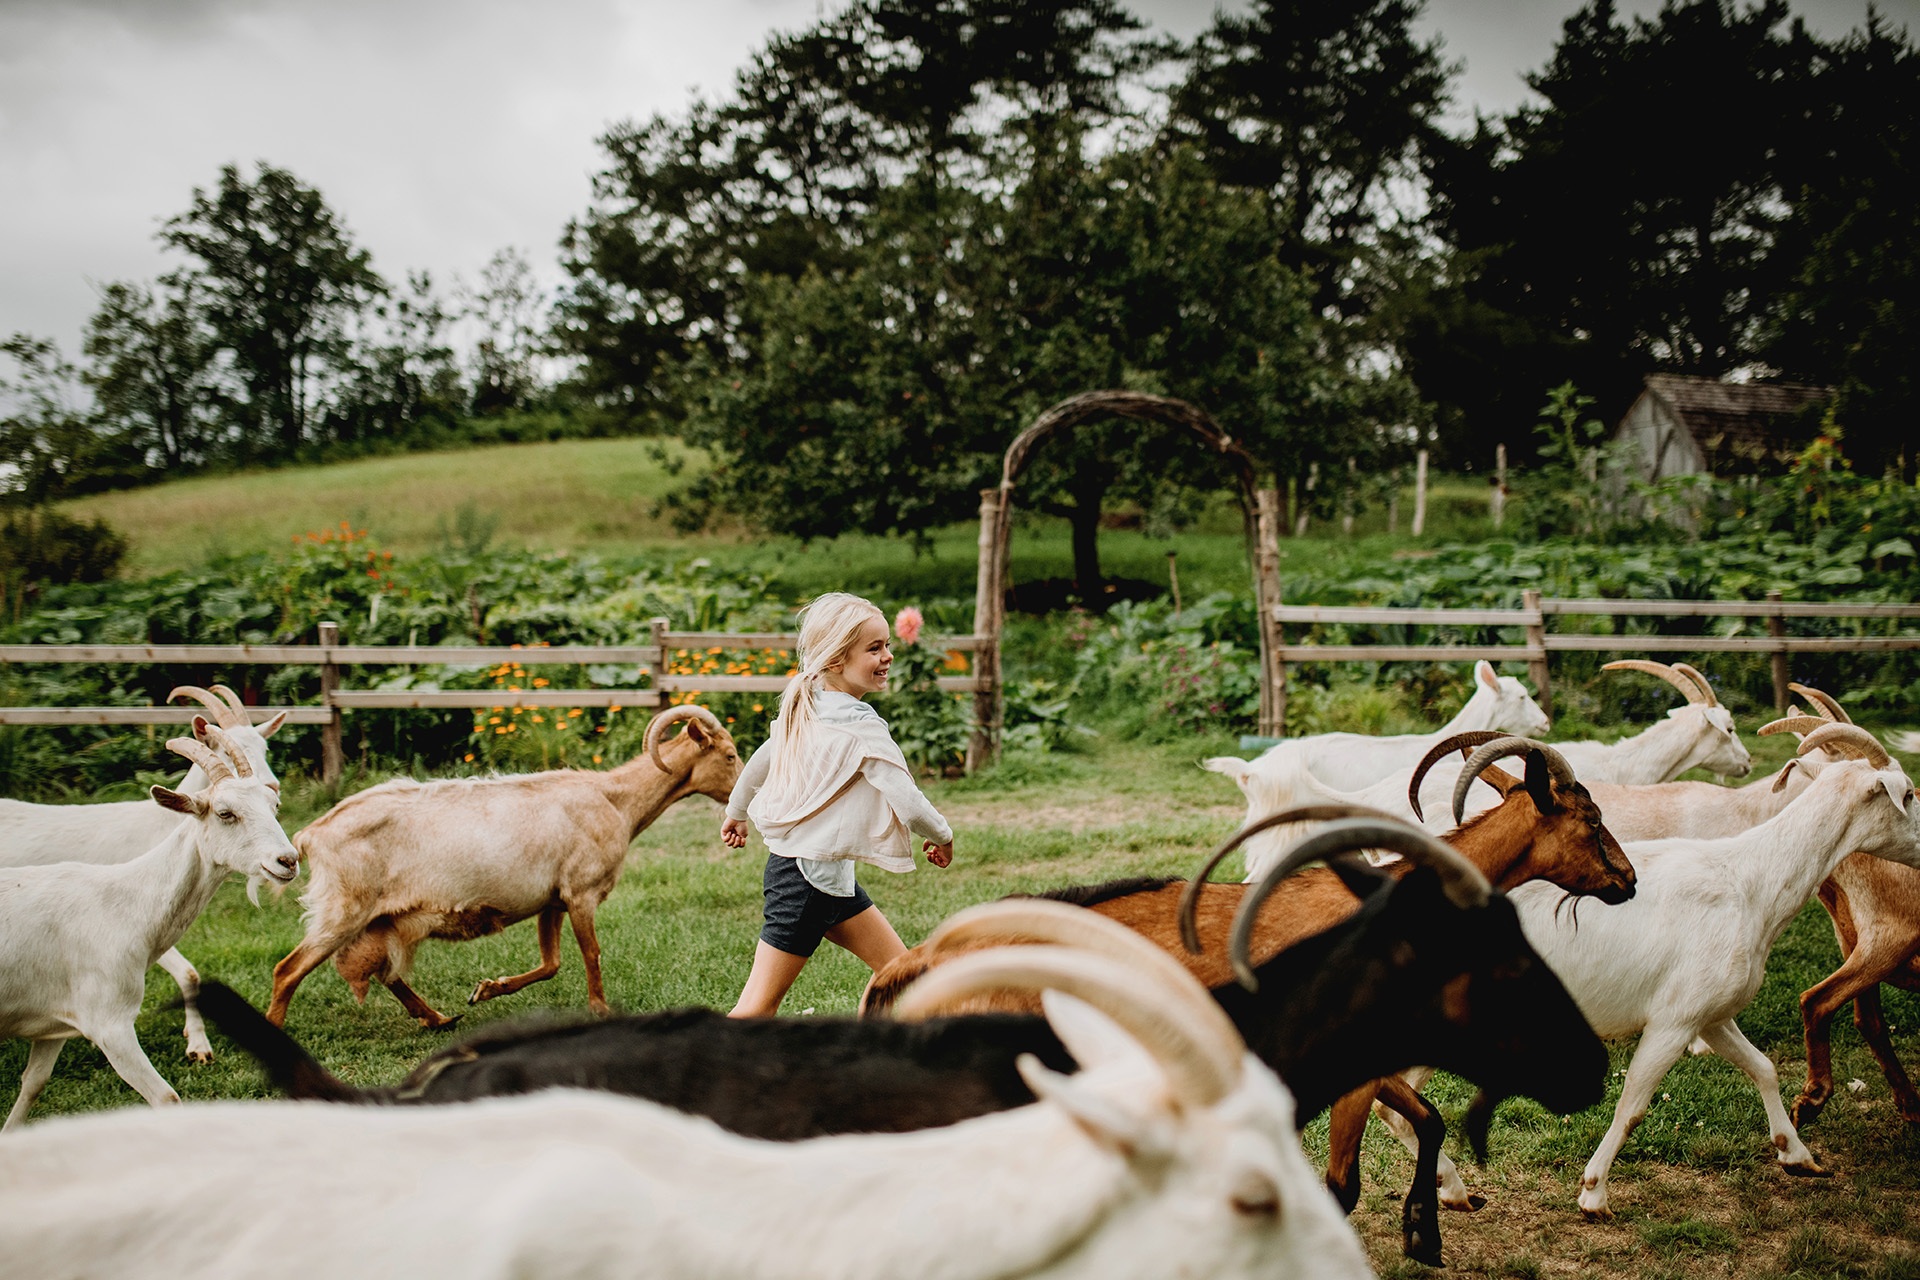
column 864, row 669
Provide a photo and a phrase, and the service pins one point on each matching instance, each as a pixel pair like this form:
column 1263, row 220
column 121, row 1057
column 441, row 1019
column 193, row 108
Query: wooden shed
column 1685, row 425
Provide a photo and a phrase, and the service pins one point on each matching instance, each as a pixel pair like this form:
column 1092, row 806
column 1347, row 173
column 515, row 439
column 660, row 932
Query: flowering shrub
column 931, row 726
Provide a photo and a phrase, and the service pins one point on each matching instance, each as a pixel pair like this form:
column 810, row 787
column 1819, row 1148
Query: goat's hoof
column 1472, row 1204
column 444, row 1024
column 1807, row 1171
column 201, row 1056
column 1806, row 1110
column 1602, row 1214
column 1420, row 1249
column 483, row 990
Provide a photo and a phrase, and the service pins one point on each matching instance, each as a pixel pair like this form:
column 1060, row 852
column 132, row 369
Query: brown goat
column 406, row 861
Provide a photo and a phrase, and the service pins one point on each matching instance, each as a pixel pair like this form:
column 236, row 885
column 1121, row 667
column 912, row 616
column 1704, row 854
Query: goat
column 1351, row 761
column 1173, row 1152
column 406, row 861
column 1707, row 811
column 76, row 939
column 33, row 835
column 1698, row 735
column 1875, row 908
column 1688, row 953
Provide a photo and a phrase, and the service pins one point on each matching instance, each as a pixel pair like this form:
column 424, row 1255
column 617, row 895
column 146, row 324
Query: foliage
column 1584, row 483
column 1150, row 673
column 41, row 547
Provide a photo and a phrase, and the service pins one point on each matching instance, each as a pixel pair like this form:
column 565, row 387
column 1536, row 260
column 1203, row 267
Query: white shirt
column 853, row 800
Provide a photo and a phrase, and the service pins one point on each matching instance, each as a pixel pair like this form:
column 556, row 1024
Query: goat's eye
column 227, row 815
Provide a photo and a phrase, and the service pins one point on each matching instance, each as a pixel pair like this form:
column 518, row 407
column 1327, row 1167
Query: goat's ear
column 697, row 733
column 1090, row 1036
column 1361, row 877
column 1899, row 790
column 1780, row 779
column 1103, row 1118
column 200, row 729
column 1499, row 779
column 1483, row 672
column 178, row 801
column 1540, row 783
column 266, row 730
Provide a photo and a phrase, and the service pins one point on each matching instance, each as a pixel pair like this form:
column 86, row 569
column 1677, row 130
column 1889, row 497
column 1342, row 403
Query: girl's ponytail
column 829, row 628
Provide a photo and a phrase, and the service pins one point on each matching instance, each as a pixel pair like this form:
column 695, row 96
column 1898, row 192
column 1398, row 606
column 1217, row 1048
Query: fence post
column 1273, row 672
column 985, row 743
column 1537, row 639
column 657, row 671
column 333, row 758
column 1419, row 493
column 1777, row 626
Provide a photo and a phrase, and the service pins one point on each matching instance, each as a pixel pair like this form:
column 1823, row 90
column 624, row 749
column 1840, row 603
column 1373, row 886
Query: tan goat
column 406, row 861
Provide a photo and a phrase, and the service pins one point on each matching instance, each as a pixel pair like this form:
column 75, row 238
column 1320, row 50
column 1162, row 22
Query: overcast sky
column 440, row 130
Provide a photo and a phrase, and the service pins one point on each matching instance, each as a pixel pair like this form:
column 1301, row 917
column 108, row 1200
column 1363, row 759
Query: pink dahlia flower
column 907, row 624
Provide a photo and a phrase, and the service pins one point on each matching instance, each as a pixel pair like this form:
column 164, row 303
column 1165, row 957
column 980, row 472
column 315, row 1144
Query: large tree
column 282, row 281
column 152, row 371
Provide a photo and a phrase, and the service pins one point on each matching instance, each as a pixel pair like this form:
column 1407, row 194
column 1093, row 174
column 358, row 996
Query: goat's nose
column 291, row 861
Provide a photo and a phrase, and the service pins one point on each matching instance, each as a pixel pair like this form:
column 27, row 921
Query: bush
column 40, row 547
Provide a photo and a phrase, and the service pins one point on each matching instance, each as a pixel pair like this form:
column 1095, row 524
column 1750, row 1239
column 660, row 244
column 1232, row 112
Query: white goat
column 1699, row 735
column 1172, row 1153
column 76, row 939
column 33, row 835
column 406, row 861
column 1688, row 952
column 1351, row 761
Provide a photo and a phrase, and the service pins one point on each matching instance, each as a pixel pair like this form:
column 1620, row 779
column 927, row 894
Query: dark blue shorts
column 797, row 914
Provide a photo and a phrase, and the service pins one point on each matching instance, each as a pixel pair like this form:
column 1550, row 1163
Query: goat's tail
column 293, row 1070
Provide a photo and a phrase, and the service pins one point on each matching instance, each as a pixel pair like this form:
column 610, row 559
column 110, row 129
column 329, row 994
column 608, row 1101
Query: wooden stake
column 333, row 758
column 1420, row 493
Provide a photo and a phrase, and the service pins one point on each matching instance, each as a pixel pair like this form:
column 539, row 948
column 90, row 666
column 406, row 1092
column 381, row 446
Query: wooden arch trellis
column 1260, row 508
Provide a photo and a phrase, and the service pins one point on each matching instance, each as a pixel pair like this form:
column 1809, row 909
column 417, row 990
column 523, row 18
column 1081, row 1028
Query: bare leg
column 41, row 1056
column 773, row 973
column 1727, row 1041
column 422, row 1012
column 199, row 1049
column 1867, row 1016
column 1818, row 1004
column 1659, row 1049
column 301, row 961
column 580, row 916
column 549, row 927
column 1453, row 1191
column 123, row 1051
column 869, row 936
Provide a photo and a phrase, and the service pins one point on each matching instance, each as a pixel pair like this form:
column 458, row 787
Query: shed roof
column 1744, row 419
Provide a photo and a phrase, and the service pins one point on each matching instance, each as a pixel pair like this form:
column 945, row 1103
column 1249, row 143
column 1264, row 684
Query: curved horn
column 1846, row 740
column 1693, row 675
column 240, row 715
column 1190, row 896
column 222, row 713
column 1661, row 669
column 212, row 763
column 1557, row 767
column 1465, row 885
column 673, row 715
column 1461, row 742
column 1795, row 724
column 1199, row 1068
column 237, row 762
column 1824, row 704
column 1045, row 920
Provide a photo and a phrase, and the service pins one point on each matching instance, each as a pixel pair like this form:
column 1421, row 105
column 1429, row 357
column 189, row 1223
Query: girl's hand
column 940, row 855
column 733, row 833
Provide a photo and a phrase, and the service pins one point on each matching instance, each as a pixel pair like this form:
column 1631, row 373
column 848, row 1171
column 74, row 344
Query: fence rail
column 1540, row 643
column 331, row 657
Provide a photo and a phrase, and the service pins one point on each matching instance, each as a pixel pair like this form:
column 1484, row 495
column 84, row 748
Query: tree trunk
column 1086, row 552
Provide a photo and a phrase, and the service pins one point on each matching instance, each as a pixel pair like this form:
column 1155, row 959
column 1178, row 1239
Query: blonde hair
column 829, row 629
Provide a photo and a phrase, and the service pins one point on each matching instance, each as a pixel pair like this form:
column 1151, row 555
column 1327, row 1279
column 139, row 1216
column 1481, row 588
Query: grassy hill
column 602, row 495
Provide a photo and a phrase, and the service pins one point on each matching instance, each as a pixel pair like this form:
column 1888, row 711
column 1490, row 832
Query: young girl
column 827, row 789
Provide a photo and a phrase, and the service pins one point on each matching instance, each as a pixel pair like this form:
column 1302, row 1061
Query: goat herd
column 1100, row 1081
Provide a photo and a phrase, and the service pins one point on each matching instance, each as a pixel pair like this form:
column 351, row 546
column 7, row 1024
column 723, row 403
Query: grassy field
column 602, row 495
column 1696, row 1191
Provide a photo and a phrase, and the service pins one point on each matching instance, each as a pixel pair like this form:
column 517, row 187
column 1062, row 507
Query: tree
column 152, row 371
column 1849, row 316
column 282, row 281
column 48, row 446
column 1629, row 223
column 509, row 309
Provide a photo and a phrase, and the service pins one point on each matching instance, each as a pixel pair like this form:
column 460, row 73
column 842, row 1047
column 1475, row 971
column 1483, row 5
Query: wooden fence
column 330, row 656
column 1535, row 611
